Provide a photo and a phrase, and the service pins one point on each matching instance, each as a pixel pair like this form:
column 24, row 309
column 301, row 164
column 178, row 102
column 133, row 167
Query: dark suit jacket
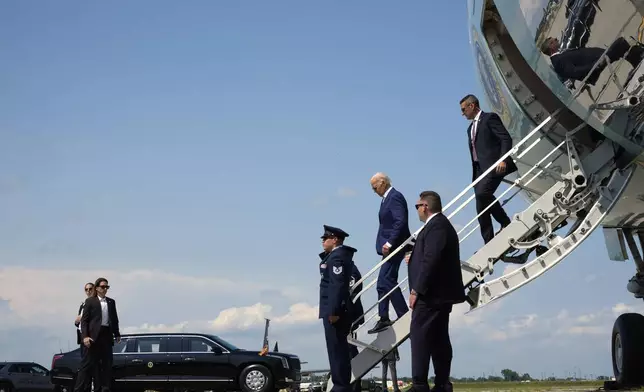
column 434, row 267
column 393, row 218
column 576, row 63
column 492, row 141
column 92, row 318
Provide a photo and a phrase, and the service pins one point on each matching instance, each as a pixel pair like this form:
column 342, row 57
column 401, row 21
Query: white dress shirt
column 105, row 316
column 473, row 134
column 81, row 316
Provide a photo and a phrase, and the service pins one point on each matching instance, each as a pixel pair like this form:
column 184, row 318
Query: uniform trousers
column 387, row 280
column 429, row 335
column 337, row 348
column 96, row 363
column 353, row 351
column 484, row 193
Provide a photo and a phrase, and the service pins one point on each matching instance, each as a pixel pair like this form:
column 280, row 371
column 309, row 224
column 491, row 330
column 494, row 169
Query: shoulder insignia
column 352, row 281
column 337, row 270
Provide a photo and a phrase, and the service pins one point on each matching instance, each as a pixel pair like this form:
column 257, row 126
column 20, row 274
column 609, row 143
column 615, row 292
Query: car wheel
column 4, row 387
column 256, row 378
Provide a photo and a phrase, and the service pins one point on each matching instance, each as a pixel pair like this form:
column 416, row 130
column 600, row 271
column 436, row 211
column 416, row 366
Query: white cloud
column 37, row 296
column 347, row 192
column 239, row 319
column 149, row 301
column 552, row 329
column 623, row 308
column 158, row 301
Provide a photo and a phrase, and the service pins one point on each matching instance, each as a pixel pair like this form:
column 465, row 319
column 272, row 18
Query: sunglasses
column 104, row 287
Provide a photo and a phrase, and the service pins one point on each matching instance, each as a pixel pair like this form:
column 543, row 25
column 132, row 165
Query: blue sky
column 192, row 153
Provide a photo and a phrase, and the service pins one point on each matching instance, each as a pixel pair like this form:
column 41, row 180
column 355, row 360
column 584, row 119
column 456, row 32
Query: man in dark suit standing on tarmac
column 488, row 141
column 393, row 230
column 99, row 328
column 435, row 283
column 336, row 309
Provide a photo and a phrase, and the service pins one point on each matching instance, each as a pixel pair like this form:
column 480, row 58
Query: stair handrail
column 572, row 97
column 513, row 150
column 492, row 167
column 546, row 156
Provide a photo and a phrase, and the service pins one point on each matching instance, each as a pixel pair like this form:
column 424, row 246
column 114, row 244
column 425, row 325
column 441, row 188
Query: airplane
column 578, row 142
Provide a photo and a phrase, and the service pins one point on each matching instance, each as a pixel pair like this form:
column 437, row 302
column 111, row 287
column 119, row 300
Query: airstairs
column 579, row 198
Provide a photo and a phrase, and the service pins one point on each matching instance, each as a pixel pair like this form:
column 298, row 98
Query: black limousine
column 190, row 361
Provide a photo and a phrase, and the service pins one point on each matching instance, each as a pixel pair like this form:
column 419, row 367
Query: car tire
column 256, row 378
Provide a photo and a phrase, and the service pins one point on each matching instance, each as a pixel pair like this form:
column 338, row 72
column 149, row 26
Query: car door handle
column 189, row 359
column 137, row 360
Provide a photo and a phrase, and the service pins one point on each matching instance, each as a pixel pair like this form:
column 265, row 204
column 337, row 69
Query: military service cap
column 330, row 231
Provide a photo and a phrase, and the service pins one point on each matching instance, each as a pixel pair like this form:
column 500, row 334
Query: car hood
column 271, row 353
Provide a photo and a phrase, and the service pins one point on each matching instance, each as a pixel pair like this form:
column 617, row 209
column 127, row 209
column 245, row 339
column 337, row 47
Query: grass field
column 534, row 386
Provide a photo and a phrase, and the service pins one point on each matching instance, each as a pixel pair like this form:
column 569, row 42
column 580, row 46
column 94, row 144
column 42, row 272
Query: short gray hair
column 383, row 177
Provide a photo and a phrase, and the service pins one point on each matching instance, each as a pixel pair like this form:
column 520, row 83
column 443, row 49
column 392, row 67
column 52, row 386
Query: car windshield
column 228, row 346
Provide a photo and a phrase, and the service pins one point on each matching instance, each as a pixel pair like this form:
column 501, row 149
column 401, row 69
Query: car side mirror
column 217, row 350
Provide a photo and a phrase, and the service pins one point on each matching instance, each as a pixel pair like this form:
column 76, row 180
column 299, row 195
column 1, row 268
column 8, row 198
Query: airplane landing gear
column 628, row 350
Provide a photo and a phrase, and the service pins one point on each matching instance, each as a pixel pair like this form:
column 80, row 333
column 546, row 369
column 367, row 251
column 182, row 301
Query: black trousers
column 94, row 378
column 484, row 193
column 429, row 335
column 338, row 351
column 353, row 351
column 616, row 51
column 387, row 280
column 97, row 364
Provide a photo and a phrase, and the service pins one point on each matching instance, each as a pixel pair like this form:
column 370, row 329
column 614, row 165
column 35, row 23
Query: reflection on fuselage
column 531, row 67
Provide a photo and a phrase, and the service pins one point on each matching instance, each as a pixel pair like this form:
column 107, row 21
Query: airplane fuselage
column 534, row 59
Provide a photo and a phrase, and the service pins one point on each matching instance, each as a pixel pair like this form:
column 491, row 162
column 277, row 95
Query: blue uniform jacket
column 336, row 268
column 357, row 309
